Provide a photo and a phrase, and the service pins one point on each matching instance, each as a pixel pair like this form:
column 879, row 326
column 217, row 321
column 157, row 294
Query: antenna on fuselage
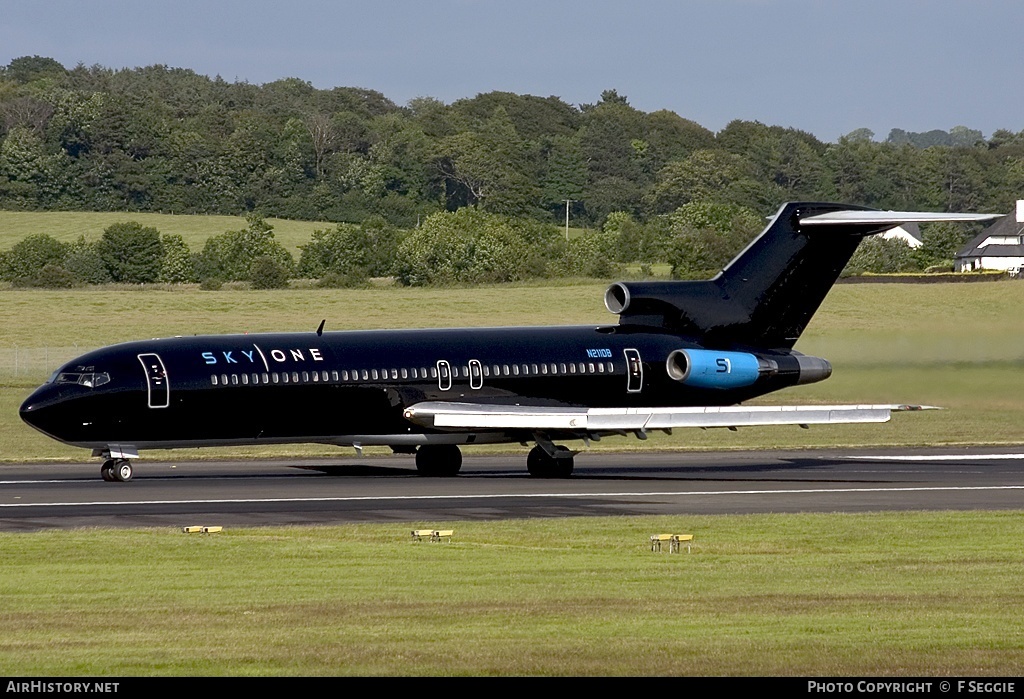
column 320, row 330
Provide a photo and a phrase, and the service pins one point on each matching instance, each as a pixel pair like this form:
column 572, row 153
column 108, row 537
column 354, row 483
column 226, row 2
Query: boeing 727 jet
column 682, row 354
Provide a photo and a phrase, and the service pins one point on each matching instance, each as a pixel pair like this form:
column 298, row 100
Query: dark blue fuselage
column 352, row 387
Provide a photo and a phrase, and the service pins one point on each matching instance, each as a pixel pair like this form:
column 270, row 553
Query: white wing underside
column 463, row 416
column 894, row 218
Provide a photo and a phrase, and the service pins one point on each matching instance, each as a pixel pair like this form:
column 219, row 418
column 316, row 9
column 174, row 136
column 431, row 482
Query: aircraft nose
column 36, row 408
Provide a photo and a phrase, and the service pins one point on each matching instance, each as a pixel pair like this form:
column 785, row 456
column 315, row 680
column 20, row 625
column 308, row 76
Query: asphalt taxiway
column 385, row 489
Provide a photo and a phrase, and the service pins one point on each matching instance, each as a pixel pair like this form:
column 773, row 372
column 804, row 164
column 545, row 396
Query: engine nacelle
column 701, row 368
column 714, row 369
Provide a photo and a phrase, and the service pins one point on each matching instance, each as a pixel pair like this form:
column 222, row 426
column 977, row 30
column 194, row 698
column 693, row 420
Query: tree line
column 466, row 246
column 169, row 140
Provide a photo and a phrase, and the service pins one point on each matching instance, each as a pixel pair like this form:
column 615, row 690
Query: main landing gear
column 556, row 463
column 438, row 460
column 546, row 460
column 116, row 470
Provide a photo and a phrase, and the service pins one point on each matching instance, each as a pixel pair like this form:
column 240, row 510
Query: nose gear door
column 158, row 388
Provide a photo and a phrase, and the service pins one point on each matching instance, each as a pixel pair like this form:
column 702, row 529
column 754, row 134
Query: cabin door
column 634, row 371
column 158, row 390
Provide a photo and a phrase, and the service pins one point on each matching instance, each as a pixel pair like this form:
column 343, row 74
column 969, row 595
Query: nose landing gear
column 116, row 470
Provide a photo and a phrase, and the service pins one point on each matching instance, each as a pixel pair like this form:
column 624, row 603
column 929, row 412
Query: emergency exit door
column 634, row 371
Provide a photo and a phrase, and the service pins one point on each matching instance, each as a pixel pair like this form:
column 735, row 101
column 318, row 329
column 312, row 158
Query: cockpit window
column 90, row 379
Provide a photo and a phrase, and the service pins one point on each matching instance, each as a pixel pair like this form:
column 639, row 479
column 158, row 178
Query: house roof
column 1005, row 227
column 911, row 229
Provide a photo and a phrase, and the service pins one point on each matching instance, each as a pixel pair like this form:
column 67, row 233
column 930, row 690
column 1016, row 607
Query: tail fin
column 767, row 294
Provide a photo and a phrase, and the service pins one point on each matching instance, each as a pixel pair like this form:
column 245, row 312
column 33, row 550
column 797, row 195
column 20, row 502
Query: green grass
column 805, row 595
column 68, row 226
column 958, row 346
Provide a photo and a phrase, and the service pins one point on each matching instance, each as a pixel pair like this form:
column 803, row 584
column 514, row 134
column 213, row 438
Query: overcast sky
column 823, row 66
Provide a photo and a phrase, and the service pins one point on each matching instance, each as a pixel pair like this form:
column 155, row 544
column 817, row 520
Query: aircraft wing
column 482, row 416
column 893, row 218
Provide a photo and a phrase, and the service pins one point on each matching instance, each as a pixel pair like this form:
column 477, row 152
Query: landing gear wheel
column 541, row 465
column 438, row 460
column 107, row 470
column 122, row 470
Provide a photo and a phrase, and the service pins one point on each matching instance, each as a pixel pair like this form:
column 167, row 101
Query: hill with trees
column 160, row 139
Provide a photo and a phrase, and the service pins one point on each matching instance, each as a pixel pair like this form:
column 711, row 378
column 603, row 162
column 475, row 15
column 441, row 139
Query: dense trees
column 167, row 139
column 398, row 180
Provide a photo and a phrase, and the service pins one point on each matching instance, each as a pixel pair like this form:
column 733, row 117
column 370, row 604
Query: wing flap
column 460, row 416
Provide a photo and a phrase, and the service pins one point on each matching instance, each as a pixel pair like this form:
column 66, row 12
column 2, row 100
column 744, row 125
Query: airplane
column 682, row 354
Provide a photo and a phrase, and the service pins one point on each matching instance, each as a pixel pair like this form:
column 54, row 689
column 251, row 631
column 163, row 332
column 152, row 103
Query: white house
column 1000, row 246
column 909, row 233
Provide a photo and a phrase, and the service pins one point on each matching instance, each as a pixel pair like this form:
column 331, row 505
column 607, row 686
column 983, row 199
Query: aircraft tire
column 438, row 460
column 541, row 465
column 107, row 470
column 122, row 470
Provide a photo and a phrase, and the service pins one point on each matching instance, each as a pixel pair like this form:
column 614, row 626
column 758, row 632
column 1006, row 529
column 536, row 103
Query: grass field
column 919, row 594
column 67, row 226
column 900, row 594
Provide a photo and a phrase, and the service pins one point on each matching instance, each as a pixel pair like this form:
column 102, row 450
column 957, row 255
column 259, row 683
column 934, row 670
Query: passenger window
column 334, row 376
column 564, row 370
column 295, row 377
column 234, row 379
column 284, row 377
column 543, row 368
column 375, row 375
column 394, row 373
column 433, row 372
column 611, row 368
column 534, row 369
column 316, row 377
column 515, row 369
column 415, row 374
column 266, row 377
column 487, row 371
column 526, row 370
column 405, row 373
column 213, row 379
column 224, row 379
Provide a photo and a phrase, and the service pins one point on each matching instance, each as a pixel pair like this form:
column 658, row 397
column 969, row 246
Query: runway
column 387, row 489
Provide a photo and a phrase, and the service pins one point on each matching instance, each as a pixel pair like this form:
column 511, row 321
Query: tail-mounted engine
column 701, row 368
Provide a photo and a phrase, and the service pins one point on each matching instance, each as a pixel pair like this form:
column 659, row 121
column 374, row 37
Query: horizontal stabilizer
column 462, row 416
column 889, row 218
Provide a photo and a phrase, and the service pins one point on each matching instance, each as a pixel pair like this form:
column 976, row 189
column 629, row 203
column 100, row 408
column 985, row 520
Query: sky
column 823, row 66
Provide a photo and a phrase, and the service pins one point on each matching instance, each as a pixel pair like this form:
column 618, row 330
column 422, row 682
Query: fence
column 35, row 362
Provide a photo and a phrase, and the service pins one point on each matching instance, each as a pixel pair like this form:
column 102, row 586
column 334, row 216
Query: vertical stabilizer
column 768, row 293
